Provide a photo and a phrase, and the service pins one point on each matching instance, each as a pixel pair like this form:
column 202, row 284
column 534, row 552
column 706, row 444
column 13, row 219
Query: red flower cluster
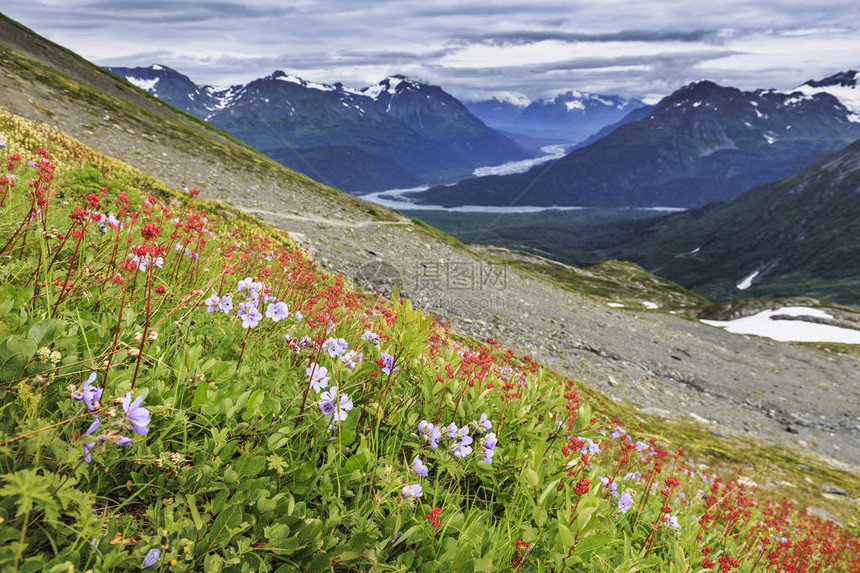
column 433, row 517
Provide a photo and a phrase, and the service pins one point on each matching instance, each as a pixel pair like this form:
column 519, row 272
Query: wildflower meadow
column 182, row 389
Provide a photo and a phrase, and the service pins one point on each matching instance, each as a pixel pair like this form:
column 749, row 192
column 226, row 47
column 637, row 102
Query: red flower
column 150, row 231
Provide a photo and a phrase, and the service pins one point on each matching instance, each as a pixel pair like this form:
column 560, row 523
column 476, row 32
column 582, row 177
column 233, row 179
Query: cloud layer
column 472, row 48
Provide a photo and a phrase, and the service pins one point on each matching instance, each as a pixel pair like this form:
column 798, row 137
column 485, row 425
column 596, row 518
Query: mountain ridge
column 719, row 141
column 422, row 129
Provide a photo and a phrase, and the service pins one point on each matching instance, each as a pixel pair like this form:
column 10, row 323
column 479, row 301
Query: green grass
column 240, row 468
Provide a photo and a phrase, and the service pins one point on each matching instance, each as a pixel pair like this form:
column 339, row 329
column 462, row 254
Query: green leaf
column 42, row 333
column 200, row 394
column 30, row 489
column 591, row 543
column 565, row 535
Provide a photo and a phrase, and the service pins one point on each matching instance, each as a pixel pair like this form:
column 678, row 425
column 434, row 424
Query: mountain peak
column 391, row 85
column 281, row 75
column 844, row 86
column 844, row 79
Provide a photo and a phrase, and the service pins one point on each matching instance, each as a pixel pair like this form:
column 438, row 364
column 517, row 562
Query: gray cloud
column 657, row 36
column 466, row 46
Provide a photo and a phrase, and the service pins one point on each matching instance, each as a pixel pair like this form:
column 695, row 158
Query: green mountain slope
column 801, row 235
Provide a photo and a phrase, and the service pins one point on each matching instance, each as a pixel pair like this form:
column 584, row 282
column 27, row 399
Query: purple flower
column 430, row 433
column 671, row 521
column 245, row 284
column 611, row 485
column 632, row 476
column 135, row 414
column 341, row 404
column 455, row 434
column 625, row 502
column 327, row 407
column 352, row 359
column 249, row 314
column 388, row 363
column 299, row 316
column 93, row 427
column 590, row 447
column 370, row 336
column 460, row 449
column 122, row 441
column 335, row 346
column 317, row 376
column 490, row 441
column 2, row 142
column 419, row 467
column 226, row 304
column 484, row 423
column 413, row 491
column 618, row 433
column 88, row 448
column 152, row 557
column 90, row 394
column 277, row 311
column 641, row 446
column 212, row 303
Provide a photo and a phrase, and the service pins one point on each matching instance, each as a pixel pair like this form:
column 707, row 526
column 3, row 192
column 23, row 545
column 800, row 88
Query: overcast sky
column 471, row 48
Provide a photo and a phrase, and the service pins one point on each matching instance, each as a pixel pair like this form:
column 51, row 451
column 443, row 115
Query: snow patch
column 770, row 139
column 762, row 324
column 615, row 304
column 575, row 104
column 747, row 281
column 146, row 85
column 514, row 98
column 651, row 305
column 156, row 67
column 849, row 96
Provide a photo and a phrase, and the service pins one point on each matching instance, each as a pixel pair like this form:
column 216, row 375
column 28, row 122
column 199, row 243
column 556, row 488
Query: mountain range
column 703, row 143
column 396, row 133
column 567, row 118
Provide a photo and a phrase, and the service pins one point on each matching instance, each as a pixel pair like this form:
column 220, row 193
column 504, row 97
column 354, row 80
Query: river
column 399, row 198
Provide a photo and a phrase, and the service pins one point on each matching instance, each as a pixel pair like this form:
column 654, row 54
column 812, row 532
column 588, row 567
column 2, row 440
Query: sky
column 473, row 49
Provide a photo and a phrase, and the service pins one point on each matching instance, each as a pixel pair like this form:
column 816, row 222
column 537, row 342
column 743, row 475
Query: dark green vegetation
column 401, row 124
column 703, row 143
column 801, row 234
column 571, row 236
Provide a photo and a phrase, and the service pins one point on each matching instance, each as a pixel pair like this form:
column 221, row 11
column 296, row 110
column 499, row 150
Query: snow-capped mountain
column 701, row 144
column 566, row 118
column 844, row 86
column 420, row 129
